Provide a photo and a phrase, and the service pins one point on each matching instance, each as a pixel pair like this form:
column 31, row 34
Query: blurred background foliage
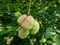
column 47, row 12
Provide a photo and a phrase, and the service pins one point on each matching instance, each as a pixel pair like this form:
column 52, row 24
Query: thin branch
column 29, row 7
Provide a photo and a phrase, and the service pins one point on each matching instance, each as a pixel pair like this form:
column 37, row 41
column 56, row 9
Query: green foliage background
column 47, row 12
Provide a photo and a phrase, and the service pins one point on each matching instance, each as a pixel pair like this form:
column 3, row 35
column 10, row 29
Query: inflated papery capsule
column 53, row 38
column 35, row 28
column 27, row 24
column 21, row 18
column 23, row 34
column 43, row 40
column 17, row 14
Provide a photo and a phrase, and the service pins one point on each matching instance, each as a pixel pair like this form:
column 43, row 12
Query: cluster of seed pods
column 28, row 26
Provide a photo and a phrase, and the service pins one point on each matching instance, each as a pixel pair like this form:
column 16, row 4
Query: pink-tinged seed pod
column 27, row 24
column 21, row 18
column 23, row 34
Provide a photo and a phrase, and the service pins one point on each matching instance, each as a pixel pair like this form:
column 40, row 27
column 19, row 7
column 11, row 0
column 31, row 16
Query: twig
column 29, row 7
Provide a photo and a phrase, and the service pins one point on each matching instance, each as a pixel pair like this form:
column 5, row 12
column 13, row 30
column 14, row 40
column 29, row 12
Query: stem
column 29, row 7
column 43, row 34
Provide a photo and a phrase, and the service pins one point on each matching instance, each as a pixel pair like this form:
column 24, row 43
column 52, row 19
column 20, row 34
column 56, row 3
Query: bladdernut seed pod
column 23, row 34
column 27, row 24
column 21, row 18
column 53, row 38
column 43, row 40
column 35, row 28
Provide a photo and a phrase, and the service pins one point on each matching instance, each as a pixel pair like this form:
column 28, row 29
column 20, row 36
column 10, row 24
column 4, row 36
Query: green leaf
column 53, row 43
column 58, row 40
column 49, row 32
